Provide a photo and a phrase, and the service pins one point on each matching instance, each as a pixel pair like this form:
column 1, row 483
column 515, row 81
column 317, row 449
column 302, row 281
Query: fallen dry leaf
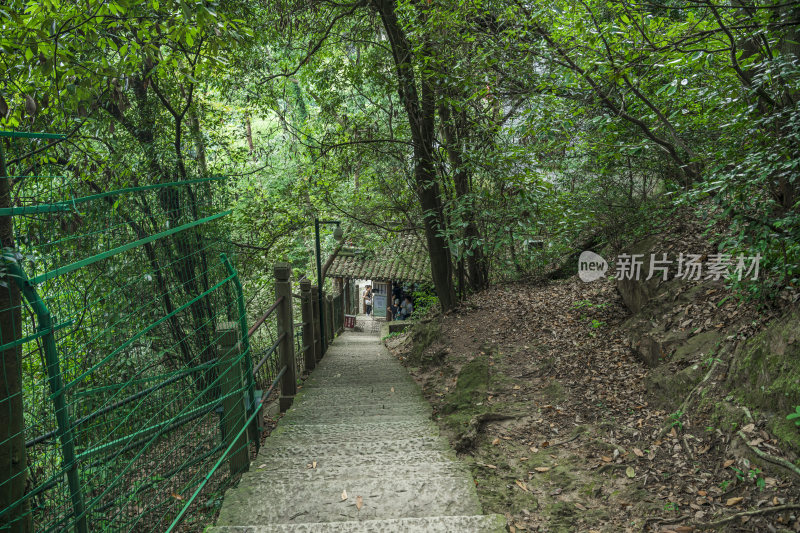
column 522, row 485
column 580, row 506
column 728, row 463
column 496, row 441
column 605, row 459
column 177, row 496
column 344, row 495
column 734, row 501
column 541, row 469
column 638, row 452
column 359, row 502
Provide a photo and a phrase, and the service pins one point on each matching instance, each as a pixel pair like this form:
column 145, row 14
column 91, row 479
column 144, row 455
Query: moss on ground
column 471, row 386
column 765, row 375
column 554, row 392
column 423, row 334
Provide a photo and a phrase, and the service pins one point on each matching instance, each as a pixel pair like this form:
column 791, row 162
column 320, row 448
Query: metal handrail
column 270, row 351
column 264, row 317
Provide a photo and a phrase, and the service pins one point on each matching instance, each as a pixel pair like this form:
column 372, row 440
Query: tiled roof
column 404, row 259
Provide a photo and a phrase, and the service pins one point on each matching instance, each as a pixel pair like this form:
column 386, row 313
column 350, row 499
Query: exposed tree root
column 466, row 440
column 565, row 441
column 697, row 388
column 659, row 522
column 778, row 461
column 765, row 510
column 611, row 466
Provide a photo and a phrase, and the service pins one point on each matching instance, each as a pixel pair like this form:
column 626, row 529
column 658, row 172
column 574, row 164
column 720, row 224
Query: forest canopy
column 478, row 125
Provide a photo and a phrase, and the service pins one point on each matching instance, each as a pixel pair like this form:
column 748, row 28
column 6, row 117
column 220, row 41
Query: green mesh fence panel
column 121, row 405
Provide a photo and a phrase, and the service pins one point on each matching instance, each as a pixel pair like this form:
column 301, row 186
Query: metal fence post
column 234, row 394
column 56, row 383
column 283, row 289
column 316, row 327
column 308, row 325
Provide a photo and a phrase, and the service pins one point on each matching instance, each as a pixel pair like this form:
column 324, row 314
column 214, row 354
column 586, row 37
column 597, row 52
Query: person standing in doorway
column 406, row 308
column 368, row 300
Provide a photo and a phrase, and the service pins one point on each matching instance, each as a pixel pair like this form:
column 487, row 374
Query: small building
column 402, row 263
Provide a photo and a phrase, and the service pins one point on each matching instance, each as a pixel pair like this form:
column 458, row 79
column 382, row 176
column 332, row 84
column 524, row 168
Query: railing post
column 340, row 314
column 317, row 332
column 283, row 289
column 329, row 318
column 234, row 395
column 307, row 306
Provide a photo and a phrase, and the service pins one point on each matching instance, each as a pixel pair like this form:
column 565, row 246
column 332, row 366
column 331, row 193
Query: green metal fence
column 128, row 368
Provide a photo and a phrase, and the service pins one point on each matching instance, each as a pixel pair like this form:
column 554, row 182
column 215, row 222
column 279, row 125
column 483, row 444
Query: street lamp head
column 338, row 234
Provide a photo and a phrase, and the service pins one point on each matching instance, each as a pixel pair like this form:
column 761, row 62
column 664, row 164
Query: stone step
column 358, row 431
column 431, row 524
column 329, row 469
column 358, row 381
column 353, row 394
column 343, row 372
column 290, row 448
column 321, row 501
column 354, row 413
column 385, row 461
column 334, row 439
column 311, row 420
column 344, row 395
column 357, row 409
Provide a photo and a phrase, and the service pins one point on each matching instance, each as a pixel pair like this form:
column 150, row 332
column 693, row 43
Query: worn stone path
column 364, row 422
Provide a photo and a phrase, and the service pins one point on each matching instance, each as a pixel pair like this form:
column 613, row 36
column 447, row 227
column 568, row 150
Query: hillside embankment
column 619, row 406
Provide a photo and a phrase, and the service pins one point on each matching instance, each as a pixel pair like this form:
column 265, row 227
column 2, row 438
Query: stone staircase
column 358, row 428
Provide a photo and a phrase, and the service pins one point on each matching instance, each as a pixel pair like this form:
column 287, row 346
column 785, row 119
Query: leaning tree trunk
column 421, row 114
column 13, row 458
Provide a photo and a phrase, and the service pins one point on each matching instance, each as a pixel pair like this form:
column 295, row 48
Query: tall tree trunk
column 476, row 260
column 13, row 457
column 199, row 143
column 421, row 111
column 248, row 130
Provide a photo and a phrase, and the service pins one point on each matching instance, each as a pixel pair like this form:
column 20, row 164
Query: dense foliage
column 482, row 126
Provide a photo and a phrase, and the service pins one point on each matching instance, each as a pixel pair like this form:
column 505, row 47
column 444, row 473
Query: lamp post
column 338, row 235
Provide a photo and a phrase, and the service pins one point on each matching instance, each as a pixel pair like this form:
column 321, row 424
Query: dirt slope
column 538, row 387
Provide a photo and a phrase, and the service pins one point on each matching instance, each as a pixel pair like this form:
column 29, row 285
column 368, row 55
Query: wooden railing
column 246, row 390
